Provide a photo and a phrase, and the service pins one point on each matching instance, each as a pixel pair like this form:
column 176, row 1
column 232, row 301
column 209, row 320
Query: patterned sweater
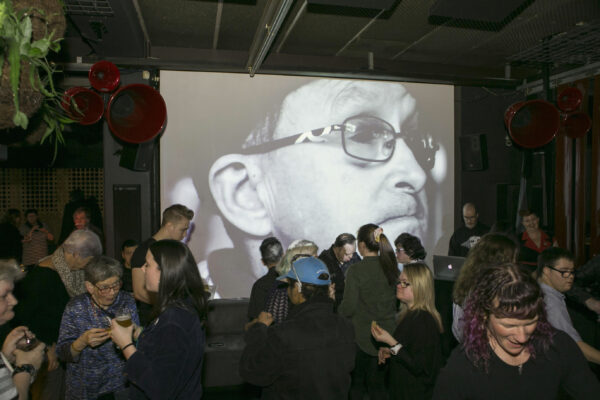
column 95, row 370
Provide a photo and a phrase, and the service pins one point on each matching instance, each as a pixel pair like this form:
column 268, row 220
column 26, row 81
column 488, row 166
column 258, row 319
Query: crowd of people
column 356, row 319
column 76, row 329
column 510, row 326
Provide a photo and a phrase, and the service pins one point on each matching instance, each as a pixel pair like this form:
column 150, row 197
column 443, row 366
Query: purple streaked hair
column 504, row 291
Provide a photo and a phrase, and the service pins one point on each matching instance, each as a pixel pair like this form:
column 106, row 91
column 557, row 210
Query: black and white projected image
column 298, row 157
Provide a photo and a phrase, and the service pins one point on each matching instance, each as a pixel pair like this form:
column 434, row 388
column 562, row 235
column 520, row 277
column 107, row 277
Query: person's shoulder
column 550, row 294
column 459, row 233
column 458, row 361
column 483, row 227
column 179, row 315
column 358, row 268
column 78, row 302
column 561, row 340
column 325, row 254
column 139, row 255
column 40, row 272
column 126, row 297
column 421, row 315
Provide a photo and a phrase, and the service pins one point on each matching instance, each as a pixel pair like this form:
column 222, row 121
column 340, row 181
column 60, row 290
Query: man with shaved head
column 467, row 236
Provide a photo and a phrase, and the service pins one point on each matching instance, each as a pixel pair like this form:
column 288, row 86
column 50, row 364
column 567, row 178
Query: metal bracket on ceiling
column 572, row 75
column 273, row 15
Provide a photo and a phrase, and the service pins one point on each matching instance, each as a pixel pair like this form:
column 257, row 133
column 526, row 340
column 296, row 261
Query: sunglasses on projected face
column 365, row 138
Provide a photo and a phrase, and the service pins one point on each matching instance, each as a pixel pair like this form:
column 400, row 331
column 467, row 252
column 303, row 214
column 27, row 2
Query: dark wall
column 131, row 198
column 479, row 111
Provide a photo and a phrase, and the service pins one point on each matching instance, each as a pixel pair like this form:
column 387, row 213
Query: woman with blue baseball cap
column 311, row 353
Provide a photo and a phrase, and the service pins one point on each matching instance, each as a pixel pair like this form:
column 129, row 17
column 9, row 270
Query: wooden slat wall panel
column 580, row 184
column 563, row 185
column 595, row 172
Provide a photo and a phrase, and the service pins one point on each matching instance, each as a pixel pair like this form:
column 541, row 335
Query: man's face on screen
column 316, row 189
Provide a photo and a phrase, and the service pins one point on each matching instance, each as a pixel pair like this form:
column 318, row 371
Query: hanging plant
column 29, row 31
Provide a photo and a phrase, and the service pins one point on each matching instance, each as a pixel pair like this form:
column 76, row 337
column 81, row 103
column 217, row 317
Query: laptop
column 447, row 268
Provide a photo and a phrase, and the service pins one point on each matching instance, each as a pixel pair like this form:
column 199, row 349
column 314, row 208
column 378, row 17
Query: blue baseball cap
column 308, row 270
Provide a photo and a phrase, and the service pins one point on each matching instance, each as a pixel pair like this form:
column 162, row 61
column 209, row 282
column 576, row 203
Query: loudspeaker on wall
column 473, row 152
column 137, row 157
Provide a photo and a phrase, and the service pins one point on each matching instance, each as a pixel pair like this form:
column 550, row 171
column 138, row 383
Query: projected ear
column 234, row 180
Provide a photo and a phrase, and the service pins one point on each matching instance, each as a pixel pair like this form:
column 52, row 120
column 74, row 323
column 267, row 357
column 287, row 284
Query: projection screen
column 303, row 158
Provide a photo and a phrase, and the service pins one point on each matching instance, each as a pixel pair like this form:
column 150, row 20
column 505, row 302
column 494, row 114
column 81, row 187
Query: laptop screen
column 447, row 267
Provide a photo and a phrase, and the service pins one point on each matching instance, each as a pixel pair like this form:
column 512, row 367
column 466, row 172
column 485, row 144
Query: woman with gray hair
column 17, row 367
column 46, row 290
column 94, row 364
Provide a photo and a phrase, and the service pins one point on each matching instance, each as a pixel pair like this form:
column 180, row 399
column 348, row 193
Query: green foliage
column 16, row 48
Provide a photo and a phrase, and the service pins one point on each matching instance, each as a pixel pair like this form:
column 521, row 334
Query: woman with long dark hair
column 510, row 350
column 414, row 349
column 166, row 362
column 369, row 297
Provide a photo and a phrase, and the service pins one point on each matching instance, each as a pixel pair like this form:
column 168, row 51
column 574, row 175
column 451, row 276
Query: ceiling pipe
column 218, row 18
column 562, row 78
column 291, row 26
column 364, row 28
column 273, row 15
column 147, row 43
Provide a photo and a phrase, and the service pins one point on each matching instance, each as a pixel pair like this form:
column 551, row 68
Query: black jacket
column 308, row 356
column 587, row 282
column 168, row 360
column 260, row 292
column 336, row 273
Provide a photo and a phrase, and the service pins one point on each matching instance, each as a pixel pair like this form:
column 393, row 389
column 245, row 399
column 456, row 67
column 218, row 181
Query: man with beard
column 466, row 237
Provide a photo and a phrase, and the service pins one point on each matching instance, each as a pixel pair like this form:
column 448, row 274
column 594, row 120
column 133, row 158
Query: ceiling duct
column 111, row 28
column 476, row 14
column 372, row 4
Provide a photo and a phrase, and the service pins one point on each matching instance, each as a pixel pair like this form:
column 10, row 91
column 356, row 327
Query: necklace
column 520, row 369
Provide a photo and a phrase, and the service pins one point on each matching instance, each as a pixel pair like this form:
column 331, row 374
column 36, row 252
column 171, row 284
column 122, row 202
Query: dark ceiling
column 496, row 43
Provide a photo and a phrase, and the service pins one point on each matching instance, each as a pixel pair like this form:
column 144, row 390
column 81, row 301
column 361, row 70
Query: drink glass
column 124, row 320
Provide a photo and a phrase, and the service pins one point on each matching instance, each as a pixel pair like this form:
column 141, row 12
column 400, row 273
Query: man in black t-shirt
column 465, row 237
column 271, row 252
column 175, row 223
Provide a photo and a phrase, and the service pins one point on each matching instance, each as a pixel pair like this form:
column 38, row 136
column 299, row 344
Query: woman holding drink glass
column 22, row 354
column 94, row 363
column 166, row 362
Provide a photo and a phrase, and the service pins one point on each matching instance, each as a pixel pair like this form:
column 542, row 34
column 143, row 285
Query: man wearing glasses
column 465, row 237
column 336, row 153
column 556, row 273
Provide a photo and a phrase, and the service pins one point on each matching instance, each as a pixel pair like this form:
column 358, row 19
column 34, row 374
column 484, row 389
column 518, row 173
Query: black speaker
column 137, row 157
column 473, row 153
column 127, row 216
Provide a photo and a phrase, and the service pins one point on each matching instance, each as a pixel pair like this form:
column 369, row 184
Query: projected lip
column 409, row 215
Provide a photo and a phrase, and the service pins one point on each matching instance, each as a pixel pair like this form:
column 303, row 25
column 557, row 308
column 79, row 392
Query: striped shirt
column 8, row 391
